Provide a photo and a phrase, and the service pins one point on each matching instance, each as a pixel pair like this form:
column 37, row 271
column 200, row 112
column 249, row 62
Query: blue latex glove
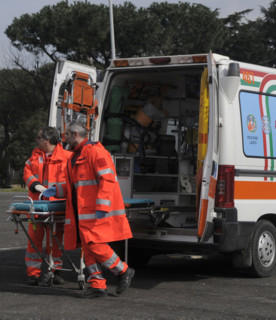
column 50, row 192
column 100, row 214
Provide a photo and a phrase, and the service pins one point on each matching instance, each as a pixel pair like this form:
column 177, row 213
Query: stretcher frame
column 49, row 219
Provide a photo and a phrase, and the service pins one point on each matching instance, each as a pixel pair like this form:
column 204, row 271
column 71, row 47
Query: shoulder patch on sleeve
column 101, row 162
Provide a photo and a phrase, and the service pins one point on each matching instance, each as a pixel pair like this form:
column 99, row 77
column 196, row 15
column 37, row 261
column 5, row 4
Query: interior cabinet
column 164, row 179
column 155, row 174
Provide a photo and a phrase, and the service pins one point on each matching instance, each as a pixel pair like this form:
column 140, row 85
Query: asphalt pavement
column 170, row 287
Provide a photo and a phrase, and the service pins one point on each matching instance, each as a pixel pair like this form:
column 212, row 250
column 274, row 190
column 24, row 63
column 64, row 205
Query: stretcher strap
column 20, row 212
column 89, row 110
column 55, row 213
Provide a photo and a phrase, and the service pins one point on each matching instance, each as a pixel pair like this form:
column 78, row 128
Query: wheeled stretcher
column 23, row 209
column 49, row 213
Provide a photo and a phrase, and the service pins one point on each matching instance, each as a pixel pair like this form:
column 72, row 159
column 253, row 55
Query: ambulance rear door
column 64, row 72
column 210, row 164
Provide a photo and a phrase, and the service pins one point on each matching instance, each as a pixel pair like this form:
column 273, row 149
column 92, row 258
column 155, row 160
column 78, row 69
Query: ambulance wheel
column 263, row 249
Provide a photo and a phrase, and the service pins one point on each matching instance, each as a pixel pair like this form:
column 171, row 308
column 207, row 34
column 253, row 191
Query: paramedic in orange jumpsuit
column 44, row 168
column 95, row 212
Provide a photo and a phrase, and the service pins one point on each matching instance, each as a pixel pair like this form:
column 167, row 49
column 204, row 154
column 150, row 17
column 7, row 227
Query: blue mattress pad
column 138, row 203
column 39, row 206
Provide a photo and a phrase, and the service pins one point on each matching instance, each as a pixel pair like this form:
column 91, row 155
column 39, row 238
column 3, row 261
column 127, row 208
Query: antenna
column 112, row 38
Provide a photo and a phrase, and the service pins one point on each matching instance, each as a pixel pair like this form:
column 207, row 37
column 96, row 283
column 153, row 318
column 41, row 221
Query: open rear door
column 73, row 94
column 210, row 164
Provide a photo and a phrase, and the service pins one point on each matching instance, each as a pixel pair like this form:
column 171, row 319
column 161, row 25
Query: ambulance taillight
column 225, row 187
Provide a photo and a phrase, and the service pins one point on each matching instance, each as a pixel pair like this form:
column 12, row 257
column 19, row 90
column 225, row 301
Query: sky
column 15, row 8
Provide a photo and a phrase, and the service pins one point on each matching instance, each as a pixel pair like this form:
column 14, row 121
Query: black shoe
column 95, row 293
column 125, row 280
column 45, row 280
column 33, row 281
column 58, row 278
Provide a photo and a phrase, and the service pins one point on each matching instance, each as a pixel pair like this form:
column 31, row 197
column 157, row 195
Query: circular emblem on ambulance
column 266, row 125
column 251, row 123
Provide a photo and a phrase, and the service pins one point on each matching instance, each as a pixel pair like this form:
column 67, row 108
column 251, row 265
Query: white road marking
column 12, row 248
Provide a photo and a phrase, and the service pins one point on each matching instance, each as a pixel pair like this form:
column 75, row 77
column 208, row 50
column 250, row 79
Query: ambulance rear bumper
column 230, row 234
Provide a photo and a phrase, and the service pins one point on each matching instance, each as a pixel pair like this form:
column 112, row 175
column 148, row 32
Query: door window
column 258, row 118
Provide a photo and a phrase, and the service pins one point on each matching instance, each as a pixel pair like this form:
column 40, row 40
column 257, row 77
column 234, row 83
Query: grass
column 14, row 188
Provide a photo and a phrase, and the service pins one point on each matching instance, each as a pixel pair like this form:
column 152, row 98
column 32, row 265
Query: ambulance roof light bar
column 149, row 61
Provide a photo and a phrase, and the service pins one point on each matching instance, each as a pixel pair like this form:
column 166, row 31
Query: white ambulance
column 193, row 138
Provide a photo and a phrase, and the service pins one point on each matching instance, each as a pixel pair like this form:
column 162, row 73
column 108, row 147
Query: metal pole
column 112, row 38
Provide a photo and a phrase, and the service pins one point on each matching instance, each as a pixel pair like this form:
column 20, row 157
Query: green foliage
column 79, row 32
column 245, row 40
column 14, row 188
column 129, row 30
column 268, row 28
column 25, row 99
column 181, row 28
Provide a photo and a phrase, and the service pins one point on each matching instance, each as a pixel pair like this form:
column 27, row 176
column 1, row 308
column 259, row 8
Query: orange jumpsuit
column 91, row 184
column 47, row 171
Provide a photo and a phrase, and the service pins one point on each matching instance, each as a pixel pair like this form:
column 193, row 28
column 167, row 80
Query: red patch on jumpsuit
column 101, row 162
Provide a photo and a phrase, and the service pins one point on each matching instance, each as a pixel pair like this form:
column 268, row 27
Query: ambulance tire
column 263, row 249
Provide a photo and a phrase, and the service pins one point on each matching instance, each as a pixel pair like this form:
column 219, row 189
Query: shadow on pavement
column 160, row 269
column 186, row 269
column 13, row 276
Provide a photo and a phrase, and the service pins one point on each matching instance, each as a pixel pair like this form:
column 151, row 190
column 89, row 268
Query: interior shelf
column 156, row 175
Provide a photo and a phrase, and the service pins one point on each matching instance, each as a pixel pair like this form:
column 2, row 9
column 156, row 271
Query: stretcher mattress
column 59, row 205
column 39, row 206
column 138, row 203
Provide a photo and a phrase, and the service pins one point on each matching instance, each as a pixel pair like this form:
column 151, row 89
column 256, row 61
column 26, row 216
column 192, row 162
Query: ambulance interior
column 150, row 125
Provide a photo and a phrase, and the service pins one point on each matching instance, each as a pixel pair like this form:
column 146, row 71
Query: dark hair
column 51, row 134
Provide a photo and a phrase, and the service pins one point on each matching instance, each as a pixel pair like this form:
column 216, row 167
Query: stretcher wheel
column 81, row 285
column 51, row 281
